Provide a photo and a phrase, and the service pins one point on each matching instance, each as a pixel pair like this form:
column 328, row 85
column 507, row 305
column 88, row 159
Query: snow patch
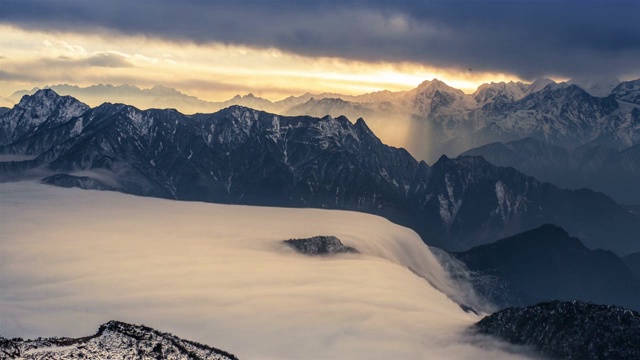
column 77, row 127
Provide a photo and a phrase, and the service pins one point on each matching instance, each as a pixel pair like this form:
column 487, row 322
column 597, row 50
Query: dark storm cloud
column 527, row 38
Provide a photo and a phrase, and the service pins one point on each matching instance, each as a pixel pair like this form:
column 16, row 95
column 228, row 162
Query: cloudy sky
column 215, row 49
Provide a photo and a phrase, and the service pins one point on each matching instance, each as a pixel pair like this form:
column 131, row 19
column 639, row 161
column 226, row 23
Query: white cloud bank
column 219, row 274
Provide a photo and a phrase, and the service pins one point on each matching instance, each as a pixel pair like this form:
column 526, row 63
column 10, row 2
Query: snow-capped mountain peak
column 628, row 91
column 43, row 108
column 501, row 92
column 596, row 86
column 539, row 84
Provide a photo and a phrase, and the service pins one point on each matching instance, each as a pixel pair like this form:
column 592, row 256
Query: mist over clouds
column 219, row 274
column 527, row 38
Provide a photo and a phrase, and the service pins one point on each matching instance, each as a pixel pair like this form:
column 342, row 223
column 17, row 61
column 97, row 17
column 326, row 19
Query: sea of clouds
column 72, row 259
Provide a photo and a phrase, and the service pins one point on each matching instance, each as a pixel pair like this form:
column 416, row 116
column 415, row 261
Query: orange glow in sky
column 211, row 71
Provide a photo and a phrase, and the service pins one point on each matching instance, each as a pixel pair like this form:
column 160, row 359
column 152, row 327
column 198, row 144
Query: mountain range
column 240, row 155
column 448, row 120
column 601, row 168
column 244, row 156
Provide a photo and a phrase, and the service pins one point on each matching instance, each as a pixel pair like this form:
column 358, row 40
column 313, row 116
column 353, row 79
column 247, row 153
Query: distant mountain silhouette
column 547, row 264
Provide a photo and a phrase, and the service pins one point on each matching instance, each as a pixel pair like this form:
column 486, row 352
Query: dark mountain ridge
column 601, row 168
column 569, row 330
column 557, row 113
column 547, row 264
column 243, row 156
column 114, row 340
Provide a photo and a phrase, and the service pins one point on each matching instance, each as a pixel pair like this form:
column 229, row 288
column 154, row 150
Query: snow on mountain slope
column 596, row 86
column 43, row 109
column 435, row 99
column 243, row 156
column 114, row 340
column 538, row 85
column 219, row 274
column 501, row 92
column 628, row 91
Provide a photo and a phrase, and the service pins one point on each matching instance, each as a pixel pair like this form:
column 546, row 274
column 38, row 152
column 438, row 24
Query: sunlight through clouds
column 210, row 71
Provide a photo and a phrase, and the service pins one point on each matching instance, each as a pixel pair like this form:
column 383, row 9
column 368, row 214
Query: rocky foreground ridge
column 569, row 330
column 114, row 340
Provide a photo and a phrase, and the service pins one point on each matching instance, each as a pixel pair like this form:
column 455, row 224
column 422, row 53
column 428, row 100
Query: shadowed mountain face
column 601, row 168
column 114, row 340
column 633, row 262
column 547, row 264
column 569, row 330
column 243, row 156
column 42, row 111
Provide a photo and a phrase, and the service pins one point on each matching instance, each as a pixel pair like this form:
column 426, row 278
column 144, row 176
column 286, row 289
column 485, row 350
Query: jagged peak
column 343, row 119
column 47, row 96
column 240, row 112
column 568, row 89
column 466, row 161
column 443, row 158
column 164, row 90
column 236, row 107
column 436, row 84
column 362, row 127
column 43, row 93
column 558, row 90
column 432, row 82
column 626, row 85
column 361, row 123
column 62, row 85
column 539, row 84
column 500, row 85
column 329, row 100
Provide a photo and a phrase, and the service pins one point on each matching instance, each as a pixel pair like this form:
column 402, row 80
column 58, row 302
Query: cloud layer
column 527, row 38
column 219, row 274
